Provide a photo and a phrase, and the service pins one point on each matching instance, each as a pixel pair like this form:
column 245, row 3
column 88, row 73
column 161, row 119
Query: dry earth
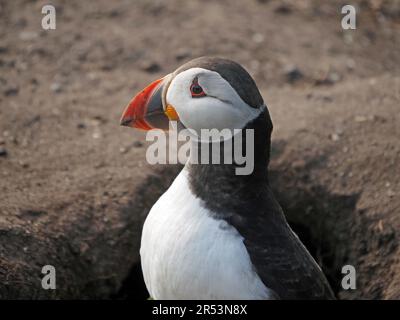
column 75, row 186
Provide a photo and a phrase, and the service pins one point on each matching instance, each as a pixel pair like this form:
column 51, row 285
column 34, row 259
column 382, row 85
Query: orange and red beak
column 145, row 111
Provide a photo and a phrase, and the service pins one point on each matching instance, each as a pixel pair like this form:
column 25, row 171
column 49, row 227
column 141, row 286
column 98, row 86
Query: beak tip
column 126, row 122
column 143, row 111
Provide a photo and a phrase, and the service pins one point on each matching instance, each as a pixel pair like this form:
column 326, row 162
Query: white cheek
column 210, row 113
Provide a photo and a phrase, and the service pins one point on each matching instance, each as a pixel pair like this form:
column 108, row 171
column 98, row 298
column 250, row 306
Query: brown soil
column 75, row 186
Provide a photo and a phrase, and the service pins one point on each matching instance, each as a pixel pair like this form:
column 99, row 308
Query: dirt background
column 75, row 186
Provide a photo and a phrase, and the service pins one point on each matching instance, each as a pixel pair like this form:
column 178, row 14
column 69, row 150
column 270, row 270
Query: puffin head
column 204, row 93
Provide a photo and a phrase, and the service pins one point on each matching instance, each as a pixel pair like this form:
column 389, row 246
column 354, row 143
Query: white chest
column 187, row 254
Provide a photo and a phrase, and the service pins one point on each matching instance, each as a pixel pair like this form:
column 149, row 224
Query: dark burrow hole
column 133, row 287
column 322, row 253
column 322, row 221
column 319, row 218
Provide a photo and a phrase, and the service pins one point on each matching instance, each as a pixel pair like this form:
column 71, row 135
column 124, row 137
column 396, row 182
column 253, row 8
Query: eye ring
column 196, row 90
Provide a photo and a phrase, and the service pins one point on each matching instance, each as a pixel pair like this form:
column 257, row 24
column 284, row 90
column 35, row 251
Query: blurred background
column 75, row 186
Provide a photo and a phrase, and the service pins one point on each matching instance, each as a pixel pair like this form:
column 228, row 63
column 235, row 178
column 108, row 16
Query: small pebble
column 23, row 164
column 380, row 225
column 335, row 137
column 108, row 66
column 56, row 87
column 258, row 38
column 293, row 74
column 283, row 9
column 329, row 79
column 334, row 77
column 12, row 91
column 150, row 67
column 81, row 125
column 391, row 193
column 350, row 64
column 28, row 35
column 96, row 135
column 360, row 119
column 3, row 152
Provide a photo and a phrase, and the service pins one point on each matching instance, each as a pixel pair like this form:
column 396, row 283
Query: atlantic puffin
column 215, row 234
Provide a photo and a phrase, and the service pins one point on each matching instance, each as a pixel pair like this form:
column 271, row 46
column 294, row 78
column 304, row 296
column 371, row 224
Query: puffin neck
column 220, row 187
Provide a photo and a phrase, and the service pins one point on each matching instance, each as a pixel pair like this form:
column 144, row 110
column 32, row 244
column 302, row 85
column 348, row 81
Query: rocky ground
column 75, row 186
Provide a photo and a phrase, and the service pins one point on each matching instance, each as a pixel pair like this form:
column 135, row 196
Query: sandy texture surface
column 75, row 186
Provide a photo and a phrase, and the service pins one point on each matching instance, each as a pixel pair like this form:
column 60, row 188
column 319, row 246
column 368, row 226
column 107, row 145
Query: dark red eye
column 196, row 90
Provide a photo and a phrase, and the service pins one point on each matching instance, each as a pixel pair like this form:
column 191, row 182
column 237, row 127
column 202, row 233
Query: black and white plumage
column 215, row 234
